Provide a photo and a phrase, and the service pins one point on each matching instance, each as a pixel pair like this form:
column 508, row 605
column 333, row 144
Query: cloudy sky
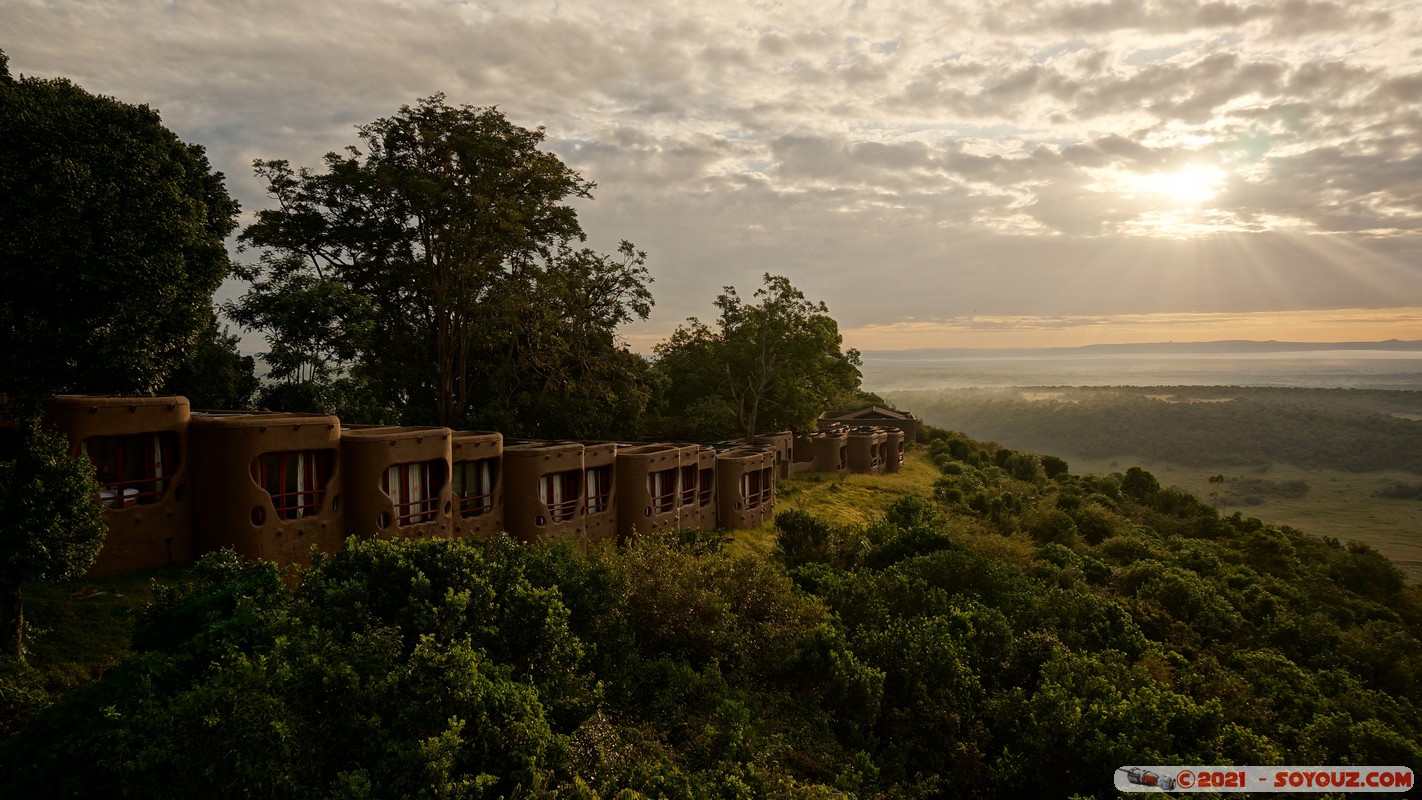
column 956, row 174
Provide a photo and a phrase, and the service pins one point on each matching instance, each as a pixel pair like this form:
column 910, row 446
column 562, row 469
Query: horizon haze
column 1390, row 365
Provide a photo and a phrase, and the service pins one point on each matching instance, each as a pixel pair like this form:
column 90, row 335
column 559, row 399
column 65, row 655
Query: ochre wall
column 735, row 511
column 707, row 489
column 527, row 517
column 783, row 444
column 141, row 536
column 866, row 447
column 635, row 465
column 234, row 511
column 894, row 450
column 366, row 453
column 601, row 527
column 212, row 498
column 830, row 455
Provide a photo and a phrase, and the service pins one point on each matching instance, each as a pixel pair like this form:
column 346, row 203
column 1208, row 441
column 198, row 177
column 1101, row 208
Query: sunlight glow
column 1191, row 186
column 1175, row 204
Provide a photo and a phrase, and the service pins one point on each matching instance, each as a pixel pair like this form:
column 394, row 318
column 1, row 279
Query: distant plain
column 1305, row 438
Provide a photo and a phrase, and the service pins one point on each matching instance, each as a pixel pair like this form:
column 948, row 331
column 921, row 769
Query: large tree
column 111, row 241
column 437, row 264
column 768, row 365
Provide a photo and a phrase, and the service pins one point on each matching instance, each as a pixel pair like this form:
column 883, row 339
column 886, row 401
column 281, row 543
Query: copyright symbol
column 1185, row 780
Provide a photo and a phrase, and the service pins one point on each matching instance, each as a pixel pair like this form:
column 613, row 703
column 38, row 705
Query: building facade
column 176, row 483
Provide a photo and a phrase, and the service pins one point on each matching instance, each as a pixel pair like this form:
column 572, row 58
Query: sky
column 1010, row 173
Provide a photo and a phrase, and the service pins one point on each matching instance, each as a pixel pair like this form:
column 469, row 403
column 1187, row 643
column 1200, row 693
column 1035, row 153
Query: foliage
column 111, row 242
column 436, row 266
column 1029, row 635
column 51, row 525
column 772, row 365
column 214, row 375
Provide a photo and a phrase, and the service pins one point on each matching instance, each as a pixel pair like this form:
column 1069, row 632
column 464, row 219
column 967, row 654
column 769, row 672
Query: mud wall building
column 477, row 482
column 397, row 482
column 745, row 486
column 544, row 493
column 268, row 485
column 604, row 501
column 139, row 446
column 175, row 483
column 876, row 416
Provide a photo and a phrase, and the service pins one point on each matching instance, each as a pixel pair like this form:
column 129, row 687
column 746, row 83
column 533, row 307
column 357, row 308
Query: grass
column 840, row 497
column 75, row 631
column 79, row 629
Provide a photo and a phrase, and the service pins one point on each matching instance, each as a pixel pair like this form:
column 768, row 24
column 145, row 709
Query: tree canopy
column 111, row 241
column 437, row 265
column 769, row 365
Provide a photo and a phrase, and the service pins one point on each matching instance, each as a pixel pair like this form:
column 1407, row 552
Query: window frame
column 312, row 472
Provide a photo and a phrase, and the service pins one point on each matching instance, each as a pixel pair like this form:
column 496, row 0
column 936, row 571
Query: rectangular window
column 414, row 489
column 708, row 480
column 661, row 485
column 132, row 470
column 599, row 488
column 688, row 485
column 296, row 481
column 750, row 489
column 767, row 485
column 474, row 483
column 559, row 491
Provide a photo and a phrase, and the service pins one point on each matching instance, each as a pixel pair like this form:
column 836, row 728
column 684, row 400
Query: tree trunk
column 12, row 623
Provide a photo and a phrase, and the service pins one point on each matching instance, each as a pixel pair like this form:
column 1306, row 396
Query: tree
column 51, row 525
column 770, row 365
column 437, row 262
column 214, row 374
column 111, row 241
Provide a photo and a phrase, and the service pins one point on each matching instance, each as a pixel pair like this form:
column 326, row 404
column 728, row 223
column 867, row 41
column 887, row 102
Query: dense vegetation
column 1024, row 630
column 1347, row 429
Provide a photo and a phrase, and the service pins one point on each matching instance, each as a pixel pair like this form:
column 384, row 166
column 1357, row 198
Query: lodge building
column 176, row 483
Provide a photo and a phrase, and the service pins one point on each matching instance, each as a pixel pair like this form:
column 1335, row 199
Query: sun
column 1190, row 186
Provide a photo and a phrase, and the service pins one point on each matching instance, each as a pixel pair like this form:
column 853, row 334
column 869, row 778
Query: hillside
column 985, row 624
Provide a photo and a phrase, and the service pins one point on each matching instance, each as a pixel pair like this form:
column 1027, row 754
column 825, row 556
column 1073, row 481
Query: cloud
column 898, row 160
column 1289, row 18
